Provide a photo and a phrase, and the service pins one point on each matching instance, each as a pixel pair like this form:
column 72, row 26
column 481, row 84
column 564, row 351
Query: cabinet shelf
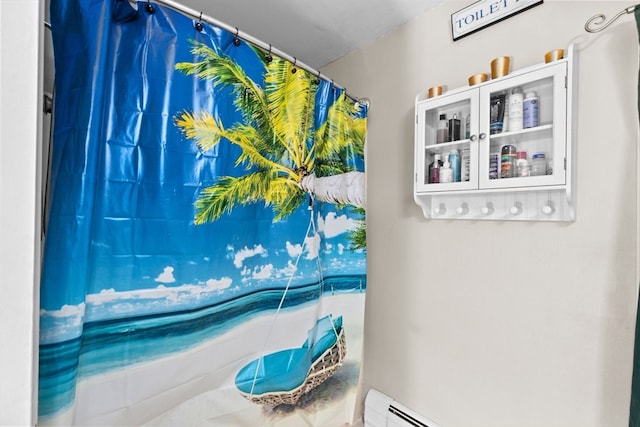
column 522, row 132
column 488, row 176
column 448, row 145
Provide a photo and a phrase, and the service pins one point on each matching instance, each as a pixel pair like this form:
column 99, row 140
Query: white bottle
column 530, row 110
column 523, row 168
column 446, row 173
column 515, row 111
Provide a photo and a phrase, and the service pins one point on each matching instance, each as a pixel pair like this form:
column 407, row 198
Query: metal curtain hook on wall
column 293, row 70
column 596, row 23
column 318, row 78
column 236, row 40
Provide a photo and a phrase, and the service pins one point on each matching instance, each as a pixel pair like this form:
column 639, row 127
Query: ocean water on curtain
column 180, row 247
column 146, row 337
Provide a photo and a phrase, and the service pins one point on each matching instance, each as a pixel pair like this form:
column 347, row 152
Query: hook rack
column 597, row 22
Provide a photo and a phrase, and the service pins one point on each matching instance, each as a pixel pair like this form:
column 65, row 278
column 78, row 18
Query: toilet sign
column 483, row 13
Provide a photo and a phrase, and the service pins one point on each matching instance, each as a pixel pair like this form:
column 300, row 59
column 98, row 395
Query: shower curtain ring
column 198, row 24
column 149, row 7
column 269, row 58
column 318, row 78
column 293, row 70
column 236, row 41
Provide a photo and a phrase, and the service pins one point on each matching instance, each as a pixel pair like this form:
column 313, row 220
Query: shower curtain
column 634, row 416
column 205, row 252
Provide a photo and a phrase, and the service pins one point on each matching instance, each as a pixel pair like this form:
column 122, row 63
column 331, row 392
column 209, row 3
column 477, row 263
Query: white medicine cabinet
column 509, row 167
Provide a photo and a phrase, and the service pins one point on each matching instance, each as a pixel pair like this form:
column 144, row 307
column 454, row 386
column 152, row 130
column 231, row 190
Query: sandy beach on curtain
column 199, row 387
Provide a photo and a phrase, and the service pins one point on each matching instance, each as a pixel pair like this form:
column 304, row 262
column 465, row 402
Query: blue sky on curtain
column 181, row 247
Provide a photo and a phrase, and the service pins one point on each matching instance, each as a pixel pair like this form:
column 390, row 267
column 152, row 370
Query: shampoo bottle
column 446, row 173
column 454, row 159
column 530, row 110
column 442, row 131
column 515, row 110
column 434, row 169
column 454, row 128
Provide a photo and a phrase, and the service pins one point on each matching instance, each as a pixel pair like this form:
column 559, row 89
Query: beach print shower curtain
column 205, row 252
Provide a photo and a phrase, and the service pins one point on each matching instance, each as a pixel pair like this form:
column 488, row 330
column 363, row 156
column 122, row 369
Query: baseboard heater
column 382, row 411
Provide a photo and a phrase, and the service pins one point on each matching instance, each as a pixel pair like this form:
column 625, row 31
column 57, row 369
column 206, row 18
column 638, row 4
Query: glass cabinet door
column 523, row 118
column 447, row 135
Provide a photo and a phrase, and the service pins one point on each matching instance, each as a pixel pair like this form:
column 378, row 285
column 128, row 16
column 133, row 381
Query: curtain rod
column 595, row 23
column 254, row 41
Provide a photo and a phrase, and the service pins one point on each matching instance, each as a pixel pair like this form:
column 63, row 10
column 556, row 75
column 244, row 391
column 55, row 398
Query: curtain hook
column 149, row 7
column 318, row 78
column 293, row 70
column 269, row 58
column 198, row 24
column 236, row 40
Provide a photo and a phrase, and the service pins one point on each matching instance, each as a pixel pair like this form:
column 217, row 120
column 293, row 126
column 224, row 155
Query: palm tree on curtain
column 284, row 153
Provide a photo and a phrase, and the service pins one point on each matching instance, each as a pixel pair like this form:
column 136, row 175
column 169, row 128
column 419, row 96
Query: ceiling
column 316, row 32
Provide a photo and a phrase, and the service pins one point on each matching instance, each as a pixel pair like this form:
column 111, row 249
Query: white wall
column 475, row 323
column 20, row 105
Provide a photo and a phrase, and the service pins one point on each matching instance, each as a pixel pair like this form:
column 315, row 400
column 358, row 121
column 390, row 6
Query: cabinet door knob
column 483, row 135
column 473, row 137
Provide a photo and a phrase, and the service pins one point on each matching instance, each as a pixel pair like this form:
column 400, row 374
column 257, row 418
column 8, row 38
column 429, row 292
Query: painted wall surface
column 495, row 323
column 20, row 74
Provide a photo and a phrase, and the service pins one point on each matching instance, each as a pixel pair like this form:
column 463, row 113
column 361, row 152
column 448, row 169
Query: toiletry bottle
column 522, row 164
column 505, row 119
column 434, row 169
column 530, row 110
column 454, row 159
column 494, row 160
column 496, row 112
column 442, row 132
column 446, row 173
column 515, row 110
column 454, row 128
column 538, row 165
column 466, row 164
column 508, row 161
column 467, row 126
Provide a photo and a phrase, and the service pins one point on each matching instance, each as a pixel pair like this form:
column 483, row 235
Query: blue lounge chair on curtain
column 286, row 375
